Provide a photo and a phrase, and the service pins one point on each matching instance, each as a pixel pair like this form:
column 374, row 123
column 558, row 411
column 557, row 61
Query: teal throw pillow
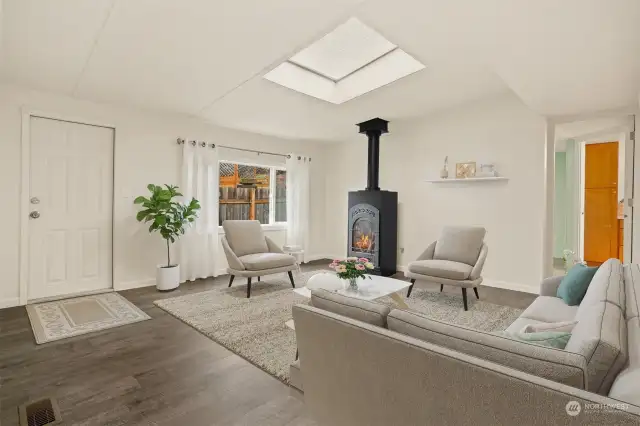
column 553, row 339
column 574, row 285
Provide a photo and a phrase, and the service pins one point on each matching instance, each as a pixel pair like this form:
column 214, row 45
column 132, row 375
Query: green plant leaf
column 166, row 214
column 142, row 215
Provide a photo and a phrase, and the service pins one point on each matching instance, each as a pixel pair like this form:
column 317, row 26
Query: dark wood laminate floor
column 159, row 371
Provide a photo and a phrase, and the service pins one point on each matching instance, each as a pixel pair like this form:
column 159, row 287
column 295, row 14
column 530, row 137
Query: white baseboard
column 497, row 283
column 128, row 285
column 511, row 286
column 312, row 257
column 9, row 302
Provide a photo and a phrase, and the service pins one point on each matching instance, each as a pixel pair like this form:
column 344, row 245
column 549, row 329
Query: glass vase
column 353, row 284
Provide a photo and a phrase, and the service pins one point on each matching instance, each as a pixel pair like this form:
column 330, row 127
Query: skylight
column 343, row 51
column 351, row 60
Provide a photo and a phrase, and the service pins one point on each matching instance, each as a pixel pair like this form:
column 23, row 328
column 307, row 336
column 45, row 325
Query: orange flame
column 364, row 243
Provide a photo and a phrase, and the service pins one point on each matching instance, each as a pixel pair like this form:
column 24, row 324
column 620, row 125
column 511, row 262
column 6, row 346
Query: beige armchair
column 457, row 259
column 251, row 254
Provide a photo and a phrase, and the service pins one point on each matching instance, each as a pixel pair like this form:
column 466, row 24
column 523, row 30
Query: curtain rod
column 181, row 141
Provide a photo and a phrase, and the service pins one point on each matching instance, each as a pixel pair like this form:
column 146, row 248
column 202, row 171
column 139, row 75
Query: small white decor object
column 487, row 170
column 444, row 173
column 295, row 251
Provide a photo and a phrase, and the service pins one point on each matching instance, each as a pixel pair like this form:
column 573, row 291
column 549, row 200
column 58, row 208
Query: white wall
column 145, row 152
column 500, row 130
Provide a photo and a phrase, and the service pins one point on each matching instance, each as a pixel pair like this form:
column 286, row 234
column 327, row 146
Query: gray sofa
column 363, row 364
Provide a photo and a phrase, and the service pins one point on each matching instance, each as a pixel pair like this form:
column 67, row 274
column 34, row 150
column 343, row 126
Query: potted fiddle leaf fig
column 169, row 217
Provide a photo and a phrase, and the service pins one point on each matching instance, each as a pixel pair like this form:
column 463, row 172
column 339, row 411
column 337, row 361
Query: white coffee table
column 368, row 289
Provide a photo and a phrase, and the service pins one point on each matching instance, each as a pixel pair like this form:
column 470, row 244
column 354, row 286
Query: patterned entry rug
column 71, row 317
column 255, row 328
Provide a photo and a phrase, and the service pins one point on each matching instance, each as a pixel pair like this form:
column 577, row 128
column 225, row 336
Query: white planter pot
column 167, row 278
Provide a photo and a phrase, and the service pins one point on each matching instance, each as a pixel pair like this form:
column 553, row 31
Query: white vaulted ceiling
column 208, row 57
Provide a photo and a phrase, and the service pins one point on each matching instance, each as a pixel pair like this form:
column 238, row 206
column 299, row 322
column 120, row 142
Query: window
column 252, row 192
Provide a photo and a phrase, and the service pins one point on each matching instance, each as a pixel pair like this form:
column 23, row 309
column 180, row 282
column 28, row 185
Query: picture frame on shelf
column 465, row 170
column 487, row 170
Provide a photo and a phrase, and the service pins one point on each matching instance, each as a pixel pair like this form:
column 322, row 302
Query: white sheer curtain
column 199, row 245
column 298, row 201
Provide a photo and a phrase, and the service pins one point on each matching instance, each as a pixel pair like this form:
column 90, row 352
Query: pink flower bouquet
column 352, row 268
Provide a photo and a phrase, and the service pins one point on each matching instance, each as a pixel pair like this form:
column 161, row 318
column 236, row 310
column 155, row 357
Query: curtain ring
column 213, row 145
column 193, row 143
column 180, row 141
column 299, row 158
column 203, row 144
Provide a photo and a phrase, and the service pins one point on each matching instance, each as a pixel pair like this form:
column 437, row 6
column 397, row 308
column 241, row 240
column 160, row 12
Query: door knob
column 34, row 214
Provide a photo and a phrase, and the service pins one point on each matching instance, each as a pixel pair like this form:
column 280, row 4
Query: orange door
column 601, row 202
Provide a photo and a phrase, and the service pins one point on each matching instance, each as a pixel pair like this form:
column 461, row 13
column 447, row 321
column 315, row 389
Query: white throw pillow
column 565, row 326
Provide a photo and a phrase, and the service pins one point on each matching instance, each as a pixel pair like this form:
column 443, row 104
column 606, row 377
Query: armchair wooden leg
column 258, row 279
column 413, row 281
column 293, row 284
column 475, row 289
column 464, row 298
column 441, row 287
column 248, row 287
column 231, row 280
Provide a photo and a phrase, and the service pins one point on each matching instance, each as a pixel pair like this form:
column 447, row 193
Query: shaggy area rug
column 255, row 328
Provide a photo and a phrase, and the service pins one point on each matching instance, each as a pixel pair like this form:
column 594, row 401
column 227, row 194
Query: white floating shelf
column 473, row 179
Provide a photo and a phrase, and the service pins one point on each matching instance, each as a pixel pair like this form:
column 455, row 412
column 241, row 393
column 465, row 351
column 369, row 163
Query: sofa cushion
column 607, row 284
column 361, row 310
column 626, row 387
column 550, row 363
column 262, row 261
column 631, row 273
column 550, row 309
column 460, row 244
column 245, row 237
column 441, row 268
column 601, row 337
column 574, row 285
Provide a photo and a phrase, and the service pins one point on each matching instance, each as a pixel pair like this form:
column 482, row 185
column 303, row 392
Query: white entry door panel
column 71, row 196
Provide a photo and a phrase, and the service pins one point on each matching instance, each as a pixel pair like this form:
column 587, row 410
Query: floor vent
column 40, row 413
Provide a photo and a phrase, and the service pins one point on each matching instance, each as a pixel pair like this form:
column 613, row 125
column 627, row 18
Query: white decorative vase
column 167, row 277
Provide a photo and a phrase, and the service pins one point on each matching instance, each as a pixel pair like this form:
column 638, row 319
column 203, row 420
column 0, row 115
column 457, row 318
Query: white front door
column 71, row 205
